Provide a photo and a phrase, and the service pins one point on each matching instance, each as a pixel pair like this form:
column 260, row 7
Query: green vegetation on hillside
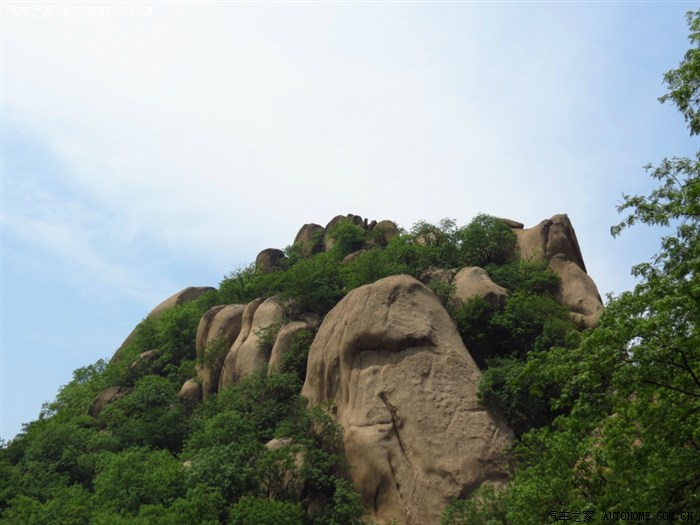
column 627, row 435
column 148, row 458
column 606, row 419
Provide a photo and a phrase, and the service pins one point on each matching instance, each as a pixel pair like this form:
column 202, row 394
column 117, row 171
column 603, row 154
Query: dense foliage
column 148, row 458
column 627, row 435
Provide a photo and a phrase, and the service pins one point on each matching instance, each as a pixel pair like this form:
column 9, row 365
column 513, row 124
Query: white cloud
column 209, row 130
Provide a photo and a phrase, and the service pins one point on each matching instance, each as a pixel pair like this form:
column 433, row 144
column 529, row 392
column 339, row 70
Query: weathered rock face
column 310, row 237
column 283, row 343
column 183, row 296
column 404, row 387
column 144, row 359
column 190, row 393
column 577, row 291
column 554, row 240
column 388, row 229
column 548, row 238
column 248, row 353
column 473, row 281
column 269, row 259
column 219, row 326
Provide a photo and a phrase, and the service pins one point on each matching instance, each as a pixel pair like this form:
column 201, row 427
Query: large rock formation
column 405, row 392
column 548, row 238
column 577, row 291
column 217, row 331
column 269, row 259
column 284, row 341
column 473, row 281
column 554, row 240
column 310, row 238
column 391, row 363
column 250, row 351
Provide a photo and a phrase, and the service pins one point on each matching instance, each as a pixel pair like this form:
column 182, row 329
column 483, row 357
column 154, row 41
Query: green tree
column 150, row 415
column 136, row 477
column 631, row 391
column 486, row 240
column 266, row 512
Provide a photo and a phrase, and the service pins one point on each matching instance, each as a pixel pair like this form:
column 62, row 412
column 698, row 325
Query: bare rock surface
column 405, row 392
column 283, row 343
column 190, row 393
column 310, row 237
column 183, row 296
column 269, row 259
column 548, row 238
column 248, row 353
column 389, row 230
column 577, row 291
column 473, row 281
column 513, row 224
column 220, row 325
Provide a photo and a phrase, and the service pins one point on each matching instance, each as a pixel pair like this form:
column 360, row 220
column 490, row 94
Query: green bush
column 250, row 511
column 487, row 506
column 347, row 237
column 486, row 240
column 521, row 397
column 150, row 415
column 136, row 477
column 530, row 276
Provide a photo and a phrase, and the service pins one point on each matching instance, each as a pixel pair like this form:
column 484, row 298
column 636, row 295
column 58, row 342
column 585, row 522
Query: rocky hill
column 386, row 332
column 387, row 361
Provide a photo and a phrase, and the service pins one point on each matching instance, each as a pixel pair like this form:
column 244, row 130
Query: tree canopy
column 627, row 434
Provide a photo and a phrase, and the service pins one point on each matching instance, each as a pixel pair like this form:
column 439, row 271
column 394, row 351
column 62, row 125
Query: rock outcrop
column 405, row 392
column 217, row 331
column 283, row 343
column 250, row 351
column 548, row 238
column 269, row 259
column 554, row 240
column 577, row 291
column 310, row 238
column 388, row 230
column 473, row 281
column 390, row 362
column 190, row 393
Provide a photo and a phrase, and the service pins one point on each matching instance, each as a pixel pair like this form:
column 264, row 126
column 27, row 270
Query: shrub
column 530, row 276
column 522, row 398
column 486, row 240
column 266, row 512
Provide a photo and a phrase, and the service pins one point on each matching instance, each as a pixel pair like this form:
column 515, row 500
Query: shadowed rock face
column 404, row 388
column 219, row 324
column 548, row 238
column 554, row 240
column 310, row 237
column 247, row 354
column 577, row 291
column 473, row 281
column 269, row 259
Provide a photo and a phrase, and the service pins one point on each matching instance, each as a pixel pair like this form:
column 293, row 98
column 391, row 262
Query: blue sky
column 153, row 146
